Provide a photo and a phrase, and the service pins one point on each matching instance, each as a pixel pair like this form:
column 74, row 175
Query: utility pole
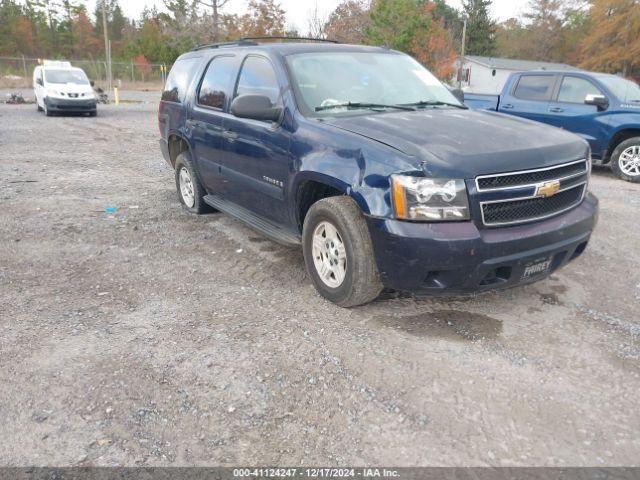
column 464, row 41
column 107, row 44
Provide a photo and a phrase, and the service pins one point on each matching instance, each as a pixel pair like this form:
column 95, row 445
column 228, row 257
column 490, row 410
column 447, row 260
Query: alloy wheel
column 629, row 161
column 329, row 254
column 186, row 188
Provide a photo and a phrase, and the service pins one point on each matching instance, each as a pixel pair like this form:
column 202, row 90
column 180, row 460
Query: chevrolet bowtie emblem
column 548, row 189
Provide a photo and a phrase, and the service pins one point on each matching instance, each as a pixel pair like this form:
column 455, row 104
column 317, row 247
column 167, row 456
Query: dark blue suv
column 364, row 158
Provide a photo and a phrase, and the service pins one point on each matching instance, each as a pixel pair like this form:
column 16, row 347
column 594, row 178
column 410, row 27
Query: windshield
column 624, row 89
column 353, row 81
column 66, row 76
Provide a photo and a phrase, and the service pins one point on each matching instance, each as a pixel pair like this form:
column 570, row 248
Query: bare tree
column 316, row 23
column 215, row 6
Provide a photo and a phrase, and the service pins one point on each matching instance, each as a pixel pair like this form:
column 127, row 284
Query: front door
column 569, row 111
column 256, row 160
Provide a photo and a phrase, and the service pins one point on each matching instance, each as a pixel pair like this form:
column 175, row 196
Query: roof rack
column 243, row 42
column 308, row 39
column 253, row 41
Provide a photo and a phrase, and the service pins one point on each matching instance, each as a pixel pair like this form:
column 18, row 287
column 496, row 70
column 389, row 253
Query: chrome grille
column 516, row 197
column 531, row 177
column 512, row 211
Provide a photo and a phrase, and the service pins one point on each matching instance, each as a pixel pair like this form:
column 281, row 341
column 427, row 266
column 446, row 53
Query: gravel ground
column 154, row 337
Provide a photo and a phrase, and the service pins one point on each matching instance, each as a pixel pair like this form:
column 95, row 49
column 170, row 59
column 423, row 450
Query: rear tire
column 190, row 191
column 338, row 253
column 625, row 160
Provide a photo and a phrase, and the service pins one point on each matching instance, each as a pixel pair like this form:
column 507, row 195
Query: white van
column 59, row 87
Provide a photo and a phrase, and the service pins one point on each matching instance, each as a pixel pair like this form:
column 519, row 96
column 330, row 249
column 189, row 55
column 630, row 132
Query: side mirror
column 39, row 81
column 599, row 101
column 256, row 107
column 459, row 94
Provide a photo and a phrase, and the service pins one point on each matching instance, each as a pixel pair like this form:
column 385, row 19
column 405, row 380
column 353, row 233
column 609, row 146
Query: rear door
column 205, row 119
column 567, row 110
column 530, row 96
column 256, row 159
column 172, row 111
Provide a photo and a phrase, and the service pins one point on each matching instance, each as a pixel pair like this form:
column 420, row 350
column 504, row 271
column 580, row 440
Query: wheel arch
column 177, row 144
column 620, row 136
column 309, row 187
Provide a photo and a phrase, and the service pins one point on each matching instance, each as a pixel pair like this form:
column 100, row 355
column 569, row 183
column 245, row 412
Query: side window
column 258, row 78
column 575, row 90
column 216, row 82
column 534, row 87
column 178, row 80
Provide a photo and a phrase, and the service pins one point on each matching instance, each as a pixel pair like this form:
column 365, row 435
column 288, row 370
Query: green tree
column 512, row 40
column 481, row 28
column 395, row 23
column 116, row 21
column 10, row 12
column 450, row 16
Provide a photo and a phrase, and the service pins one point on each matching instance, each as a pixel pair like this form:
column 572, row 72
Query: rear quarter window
column 178, row 80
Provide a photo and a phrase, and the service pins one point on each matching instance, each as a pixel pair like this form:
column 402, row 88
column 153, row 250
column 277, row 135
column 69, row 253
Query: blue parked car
column 367, row 161
column 603, row 109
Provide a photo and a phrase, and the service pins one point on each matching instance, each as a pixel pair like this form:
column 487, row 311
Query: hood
column 466, row 143
column 69, row 88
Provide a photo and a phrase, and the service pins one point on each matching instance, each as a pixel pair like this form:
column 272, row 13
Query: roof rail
column 309, row 39
column 253, row 41
column 239, row 43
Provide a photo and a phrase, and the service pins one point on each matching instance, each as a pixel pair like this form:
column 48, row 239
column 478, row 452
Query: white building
column 487, row 74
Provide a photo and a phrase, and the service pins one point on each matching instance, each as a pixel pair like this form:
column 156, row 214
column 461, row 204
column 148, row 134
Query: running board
column 269, row 229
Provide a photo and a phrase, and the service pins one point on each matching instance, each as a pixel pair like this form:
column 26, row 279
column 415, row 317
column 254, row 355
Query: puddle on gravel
column 446, row 324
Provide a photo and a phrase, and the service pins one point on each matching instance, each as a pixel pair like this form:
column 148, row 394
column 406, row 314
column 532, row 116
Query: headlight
column 429, row 199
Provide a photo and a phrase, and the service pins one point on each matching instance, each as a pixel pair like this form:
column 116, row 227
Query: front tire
column 47, row 112
column 338, row 253
column 625, row 160
column 191, row 193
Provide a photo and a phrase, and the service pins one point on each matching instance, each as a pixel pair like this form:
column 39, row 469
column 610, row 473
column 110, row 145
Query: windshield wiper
column 363, row 105
column 435, row 103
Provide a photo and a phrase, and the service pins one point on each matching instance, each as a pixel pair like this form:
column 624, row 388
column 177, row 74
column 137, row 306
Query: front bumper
column 455, row 258
column 64, row 105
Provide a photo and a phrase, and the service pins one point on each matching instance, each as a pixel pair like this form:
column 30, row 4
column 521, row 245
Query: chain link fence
column 17, row 72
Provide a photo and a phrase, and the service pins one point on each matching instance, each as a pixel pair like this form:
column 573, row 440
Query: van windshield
column 66, row 76
column 339, row 83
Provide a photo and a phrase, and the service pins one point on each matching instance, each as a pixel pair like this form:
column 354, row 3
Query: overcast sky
column 298, row 10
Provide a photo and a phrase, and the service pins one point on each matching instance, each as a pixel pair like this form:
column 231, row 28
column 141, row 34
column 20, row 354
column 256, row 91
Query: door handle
column 556, row 109
column 230, row 135
column 508, row 106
